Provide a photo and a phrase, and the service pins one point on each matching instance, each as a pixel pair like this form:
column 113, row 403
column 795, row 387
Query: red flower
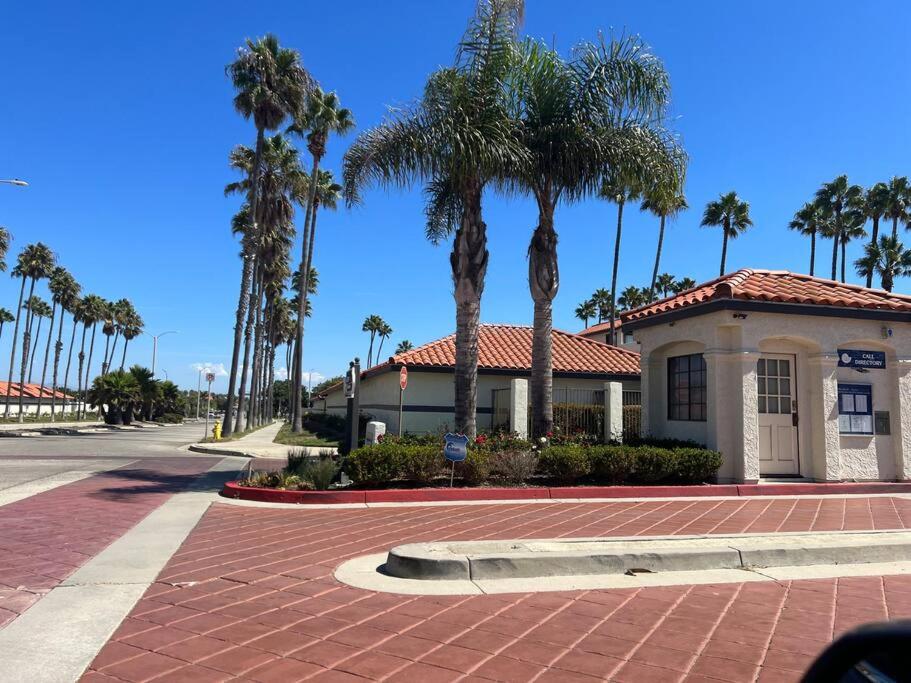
column 480, row 438
column 550, row 435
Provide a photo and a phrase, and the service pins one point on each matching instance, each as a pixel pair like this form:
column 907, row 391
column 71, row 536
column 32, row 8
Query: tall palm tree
column 835, row 198
column 322, row 117
column 108, row 329
column 372, row 324
column 664, row 203
column 898, row 202
column 666, row 284
column 455, row 140
column 94, row 309
column 403, row 347
column 888, row 258
column 596, row 118
column 35, row 263
column 585, row 311
column 875, row 204
column 684, row 284
column 732, row 215
column 384, row 333
column 5, row 317
column 602, row 299
column 75, row 310
column 633, row 297
column 619, row 190
column 271, row 86
column 853, row 222
column 18, row 271
column 811, row 220
column 64, row 295
column 40, row 310
column 131, row 330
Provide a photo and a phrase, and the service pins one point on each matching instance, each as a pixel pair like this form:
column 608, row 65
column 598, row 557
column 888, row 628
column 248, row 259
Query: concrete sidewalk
column 259, row 444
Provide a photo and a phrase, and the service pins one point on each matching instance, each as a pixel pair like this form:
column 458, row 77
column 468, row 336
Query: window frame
column 855, row 389
column 683, row 409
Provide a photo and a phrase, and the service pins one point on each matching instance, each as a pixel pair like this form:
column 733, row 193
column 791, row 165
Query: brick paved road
column 250, row 596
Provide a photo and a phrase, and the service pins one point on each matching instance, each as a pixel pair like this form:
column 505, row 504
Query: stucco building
column 581, row 367
column 787, row 375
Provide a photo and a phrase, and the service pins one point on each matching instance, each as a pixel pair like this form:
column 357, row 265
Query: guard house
column 787, row 375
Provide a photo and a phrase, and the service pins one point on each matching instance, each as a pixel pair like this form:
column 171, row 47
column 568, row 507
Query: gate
column 632, row 415
column 499, row 419
column 577, row 412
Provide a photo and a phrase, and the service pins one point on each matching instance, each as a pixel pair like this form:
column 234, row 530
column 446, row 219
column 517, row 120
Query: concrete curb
column 209, row 450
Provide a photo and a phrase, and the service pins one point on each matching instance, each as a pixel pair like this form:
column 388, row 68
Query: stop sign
column 403, row 378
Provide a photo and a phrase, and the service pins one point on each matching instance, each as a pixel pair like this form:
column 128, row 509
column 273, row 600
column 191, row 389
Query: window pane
column 784, row 369
column 861, row 404
column 784, row 405
column 772, row 386
column 784, row 386
column 847, row 403
column 683, row 364
column 760, row 366
column 844, row 424
column 760, row 385
column 762, row 405
column 773, row 404
column 771, row 367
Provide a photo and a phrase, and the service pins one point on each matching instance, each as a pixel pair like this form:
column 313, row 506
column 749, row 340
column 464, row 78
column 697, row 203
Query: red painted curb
column 429, row 495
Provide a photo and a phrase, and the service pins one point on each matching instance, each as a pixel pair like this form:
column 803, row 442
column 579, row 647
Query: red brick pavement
column 250, row 596
column 46, row 537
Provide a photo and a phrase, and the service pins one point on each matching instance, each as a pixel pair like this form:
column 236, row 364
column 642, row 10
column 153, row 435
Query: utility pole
column 198, row 392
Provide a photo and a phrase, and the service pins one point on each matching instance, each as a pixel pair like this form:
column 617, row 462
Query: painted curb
column 218, row 451
column 233, row 489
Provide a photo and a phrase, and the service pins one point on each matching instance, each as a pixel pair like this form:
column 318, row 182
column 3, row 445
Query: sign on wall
column 868, row 360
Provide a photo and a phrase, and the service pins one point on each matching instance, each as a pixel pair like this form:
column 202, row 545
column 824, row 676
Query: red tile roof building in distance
column 777, row 287
column 31, row 391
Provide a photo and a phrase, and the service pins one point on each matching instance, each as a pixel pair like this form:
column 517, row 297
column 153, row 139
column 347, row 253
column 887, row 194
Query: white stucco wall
column 379, row 398
column 732, row 345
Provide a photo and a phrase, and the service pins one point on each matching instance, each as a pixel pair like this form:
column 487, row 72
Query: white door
column 777, row 415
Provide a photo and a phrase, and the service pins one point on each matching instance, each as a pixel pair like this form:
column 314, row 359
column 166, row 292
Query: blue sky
column 120, row 117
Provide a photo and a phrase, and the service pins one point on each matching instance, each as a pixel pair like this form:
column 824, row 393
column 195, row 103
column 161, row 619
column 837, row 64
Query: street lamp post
column 155, row 346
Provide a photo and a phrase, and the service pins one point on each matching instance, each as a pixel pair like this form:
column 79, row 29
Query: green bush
column 475, row 469
column 375, row 464
column 652, row 465
column 696, row 465
column 612, row 464
column 566, row 464
column 170, row 418
column 422, row 464
column 319, row 472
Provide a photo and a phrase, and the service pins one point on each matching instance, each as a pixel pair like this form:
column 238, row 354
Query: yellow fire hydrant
column 216, row 431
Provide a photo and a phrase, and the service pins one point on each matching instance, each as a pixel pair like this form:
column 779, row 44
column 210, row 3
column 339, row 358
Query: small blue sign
column 455, row 447
column 867, row 360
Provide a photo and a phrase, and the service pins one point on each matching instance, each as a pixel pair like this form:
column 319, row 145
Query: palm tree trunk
column 873, row 239
column 370, row 350
column 251, row 246
column 844, row 245
column 58, row 349
column 88, row 366
column 26, row 343
column 31, row 362
column 80, row 400
column 12, row 353
column 895, row 227
column 835, row 242
column 611, row 314
column 724, row 251
column 379, row 350
column 812, row 252
column 241, row 419
column 69, row 357
column 469, row 268
column 651, row 289
column 104, row 359
column 123, row 358
column 257, row 352
column 544, row 282
column 113, row 350
column 47, row 354
column 306, row 257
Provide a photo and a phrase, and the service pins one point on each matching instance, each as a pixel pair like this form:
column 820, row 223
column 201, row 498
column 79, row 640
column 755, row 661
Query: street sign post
column 403, row 384
column 455, row 449
column 210, row 377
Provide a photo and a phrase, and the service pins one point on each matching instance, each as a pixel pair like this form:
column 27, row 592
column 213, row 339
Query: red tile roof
column 598, row 328
column 508, row 347
column 779, row 286
column 30, row 391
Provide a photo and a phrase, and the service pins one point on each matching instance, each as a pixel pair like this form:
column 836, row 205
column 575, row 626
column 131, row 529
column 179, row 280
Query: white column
column 732, row 419
column 901, row 427
column 823, row 416
column 613, row 412
column 518, row 407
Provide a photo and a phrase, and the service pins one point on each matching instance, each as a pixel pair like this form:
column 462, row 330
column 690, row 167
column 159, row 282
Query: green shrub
column 297, row 458
column 566, row 464
column 514, row 466
column 170, row 418
column 475, row 469
column 422, row 464
column 319, row 472
column 652, row 465
column 696, row 465
column 375, row 464
column 612, row 464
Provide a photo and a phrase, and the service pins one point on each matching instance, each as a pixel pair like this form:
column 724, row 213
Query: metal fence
column 632, row 414
column 499, row 419
column 577, row 411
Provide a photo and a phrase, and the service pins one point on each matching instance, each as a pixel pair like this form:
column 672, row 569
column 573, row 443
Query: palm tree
column 35, row 263
column 666, row 284
column 888, row 258
column 372, row 324
column 875, row 204
column 64, row 294
column 148, row 390
column 585, row 311
column 733, row 216
column 633, row 297
column 602, row 299
column 5, row 239
column 835, row 198
column 811, row 219
column 132, row 328
column 618, row 189
column 114, row 395
column 898, row 202
column 853, row 222
column 455, row 140
column 271, row 85
column 40, row 310
column 322, row 117
column 5, row 317
column 75, row 309
column 108, row 329
column 683, row 285
column 597, row 118
column 403, row 347
column 384, row 332
column 664, row 203
column 92, row 312
column 18, row 271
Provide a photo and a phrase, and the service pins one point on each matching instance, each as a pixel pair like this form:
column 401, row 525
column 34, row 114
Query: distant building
column 30, row 393
column 601, row 332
